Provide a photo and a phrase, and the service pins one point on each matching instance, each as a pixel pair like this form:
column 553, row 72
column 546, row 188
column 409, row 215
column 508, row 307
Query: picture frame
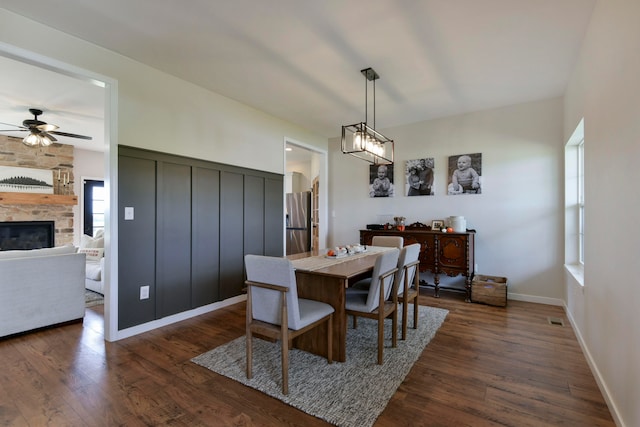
column 25, row 180
column 465, row 174
column 437, row 224
column 419, row 177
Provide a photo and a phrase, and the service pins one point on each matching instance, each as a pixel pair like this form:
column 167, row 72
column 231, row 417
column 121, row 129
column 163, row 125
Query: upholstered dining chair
column 388, row 241
column 274, row 310
column 408, row 274
column 375, row 303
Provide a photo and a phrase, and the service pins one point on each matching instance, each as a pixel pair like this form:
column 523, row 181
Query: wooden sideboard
column 440, row 253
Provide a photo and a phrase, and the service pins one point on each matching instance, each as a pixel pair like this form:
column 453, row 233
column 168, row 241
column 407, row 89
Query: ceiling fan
column 40, row 133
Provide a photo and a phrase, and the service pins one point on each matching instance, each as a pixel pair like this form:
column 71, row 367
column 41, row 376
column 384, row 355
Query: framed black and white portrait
column 381, row 181
column 465, row 174
column 419, row 177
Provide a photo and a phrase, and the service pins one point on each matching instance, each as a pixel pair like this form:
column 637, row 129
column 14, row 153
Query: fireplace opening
column 16, row 235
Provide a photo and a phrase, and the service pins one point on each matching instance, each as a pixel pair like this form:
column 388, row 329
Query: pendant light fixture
column 363, row 141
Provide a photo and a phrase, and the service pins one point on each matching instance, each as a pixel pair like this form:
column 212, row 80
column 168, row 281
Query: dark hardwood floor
column 486, row 366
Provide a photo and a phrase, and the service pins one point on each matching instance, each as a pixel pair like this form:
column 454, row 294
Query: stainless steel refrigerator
column 298, row 222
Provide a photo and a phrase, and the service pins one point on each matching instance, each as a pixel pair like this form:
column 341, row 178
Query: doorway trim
column 323, row 175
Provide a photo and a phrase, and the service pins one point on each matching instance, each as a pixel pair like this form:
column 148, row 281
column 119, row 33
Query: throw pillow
column 91, row 242
column 93, row 254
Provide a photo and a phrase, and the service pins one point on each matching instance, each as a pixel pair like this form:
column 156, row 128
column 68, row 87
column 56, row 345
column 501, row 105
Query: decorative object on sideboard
column 362, row 140
column 437, row 224
column 40, row 133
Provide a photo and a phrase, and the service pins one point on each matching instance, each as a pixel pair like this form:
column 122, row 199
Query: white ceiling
column 75, row 106
column 300, row 59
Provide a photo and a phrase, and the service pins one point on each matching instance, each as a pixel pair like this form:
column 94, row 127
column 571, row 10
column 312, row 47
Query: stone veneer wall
column 56, row 156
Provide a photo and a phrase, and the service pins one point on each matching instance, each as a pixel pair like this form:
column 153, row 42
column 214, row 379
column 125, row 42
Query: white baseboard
column 535, row 299
column 146, row 327
column 595, row 371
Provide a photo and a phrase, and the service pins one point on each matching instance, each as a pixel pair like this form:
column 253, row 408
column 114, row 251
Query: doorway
column 47, row 69
column 310, row 163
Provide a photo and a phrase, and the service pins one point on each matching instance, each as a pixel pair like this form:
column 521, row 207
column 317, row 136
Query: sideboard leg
column 467, row 286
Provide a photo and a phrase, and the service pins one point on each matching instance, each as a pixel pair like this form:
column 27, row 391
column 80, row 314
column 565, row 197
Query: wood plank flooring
column 486, row 366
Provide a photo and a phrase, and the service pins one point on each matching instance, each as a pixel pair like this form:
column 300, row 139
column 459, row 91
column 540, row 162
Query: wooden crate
column 490, row 290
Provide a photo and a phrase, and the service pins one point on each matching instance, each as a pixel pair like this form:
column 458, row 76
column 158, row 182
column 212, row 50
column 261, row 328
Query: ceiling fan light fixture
column 37, row 139
column 45, row 141
column 363, row 141
column 31, row 140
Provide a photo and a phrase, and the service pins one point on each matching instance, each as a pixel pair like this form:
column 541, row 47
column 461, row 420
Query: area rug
column 353, row 393
column 92, row 298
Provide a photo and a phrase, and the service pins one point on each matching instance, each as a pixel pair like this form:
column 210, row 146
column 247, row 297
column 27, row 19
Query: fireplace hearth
column 26, row 235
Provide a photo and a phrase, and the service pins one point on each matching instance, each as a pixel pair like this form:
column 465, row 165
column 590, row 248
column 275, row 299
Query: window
column 93, row 206
column 581, row 201
column 575, row 202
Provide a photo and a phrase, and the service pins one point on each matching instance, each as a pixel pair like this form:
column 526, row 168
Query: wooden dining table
column 326, row 279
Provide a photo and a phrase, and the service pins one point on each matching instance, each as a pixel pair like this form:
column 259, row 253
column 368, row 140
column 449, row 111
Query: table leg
column 332, row 291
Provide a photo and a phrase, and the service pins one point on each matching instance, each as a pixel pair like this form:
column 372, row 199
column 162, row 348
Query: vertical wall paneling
column 254, row 196
column 173, row 247
column 193, row 222
column 273, row 217
column 205, row 236
column 231, row 234
column 137, row 249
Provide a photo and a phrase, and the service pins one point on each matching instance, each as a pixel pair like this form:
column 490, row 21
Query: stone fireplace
column 33, row 207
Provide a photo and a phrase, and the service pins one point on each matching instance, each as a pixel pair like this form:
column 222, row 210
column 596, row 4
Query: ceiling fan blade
column 13, row 130
column 47, row 127
column 17, row 126
column 70, row 135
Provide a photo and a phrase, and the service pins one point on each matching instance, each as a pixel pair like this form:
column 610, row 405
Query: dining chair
column 375, row 303
column 388, row 241
column 274, row 310
column 408, row 273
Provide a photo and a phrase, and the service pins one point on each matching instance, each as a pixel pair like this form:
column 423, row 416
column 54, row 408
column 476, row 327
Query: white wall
column 86, row 164
column 518, row 215
column 605, row 90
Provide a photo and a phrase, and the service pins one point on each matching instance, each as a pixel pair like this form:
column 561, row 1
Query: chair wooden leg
column 285, row 364
column 405, row 315
column 249, row 354
column 380, row 336
column 330, row 339
column 394, row 329
column 355, row 322
column 415, row 313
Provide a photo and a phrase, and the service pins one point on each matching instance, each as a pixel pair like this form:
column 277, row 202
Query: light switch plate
column 128, row 213
column 144, row 292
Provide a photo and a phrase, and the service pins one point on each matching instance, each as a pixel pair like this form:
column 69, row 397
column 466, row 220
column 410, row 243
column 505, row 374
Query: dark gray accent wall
column 193, row 223
column 173, row 244
column 137, row 248
column 205, row 235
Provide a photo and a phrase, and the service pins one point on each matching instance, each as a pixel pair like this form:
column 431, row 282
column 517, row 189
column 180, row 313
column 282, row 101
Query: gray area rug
column 92, row 298
column 353, row 393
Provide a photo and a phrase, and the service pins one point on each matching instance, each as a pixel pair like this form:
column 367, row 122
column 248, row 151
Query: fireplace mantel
column 37, row 199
